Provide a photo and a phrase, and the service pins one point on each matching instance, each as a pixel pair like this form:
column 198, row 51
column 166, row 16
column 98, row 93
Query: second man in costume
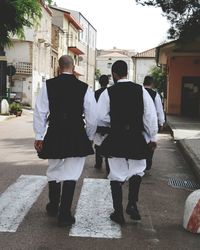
column 129, row 111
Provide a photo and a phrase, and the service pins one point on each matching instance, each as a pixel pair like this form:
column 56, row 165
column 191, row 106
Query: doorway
column 190, row 105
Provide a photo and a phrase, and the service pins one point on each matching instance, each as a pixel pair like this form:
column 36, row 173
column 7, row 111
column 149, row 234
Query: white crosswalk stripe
column 16, row 201
column 93, row 210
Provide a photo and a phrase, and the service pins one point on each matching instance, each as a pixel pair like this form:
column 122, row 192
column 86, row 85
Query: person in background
column 128, row 110
column 103, row 81
column 148, row 85
column 61, row 104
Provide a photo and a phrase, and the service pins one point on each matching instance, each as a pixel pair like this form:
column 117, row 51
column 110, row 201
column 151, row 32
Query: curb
column 171, row 127
column 190, row 157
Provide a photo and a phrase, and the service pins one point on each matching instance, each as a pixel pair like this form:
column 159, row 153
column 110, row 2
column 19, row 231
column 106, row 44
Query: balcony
column 23, row 68
column 75, row 47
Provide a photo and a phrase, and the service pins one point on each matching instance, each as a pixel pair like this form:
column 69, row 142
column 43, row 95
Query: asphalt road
column 161, row 205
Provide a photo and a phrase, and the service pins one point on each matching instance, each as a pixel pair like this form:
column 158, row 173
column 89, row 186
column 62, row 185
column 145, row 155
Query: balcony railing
column 23, row 68
column 75, row 47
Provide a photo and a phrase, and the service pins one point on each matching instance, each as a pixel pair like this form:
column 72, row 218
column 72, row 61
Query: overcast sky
column 122, row 23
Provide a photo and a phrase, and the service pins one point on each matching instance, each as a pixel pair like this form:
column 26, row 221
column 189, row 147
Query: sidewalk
column 6, row 117
column 187, row 134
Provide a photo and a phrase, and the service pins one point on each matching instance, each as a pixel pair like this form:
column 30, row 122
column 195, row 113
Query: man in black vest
column 149, row 84
column 129, row 111
column 103, row 81
column 61, row 104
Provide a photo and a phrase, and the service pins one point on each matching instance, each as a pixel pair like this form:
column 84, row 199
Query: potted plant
column 16, row 109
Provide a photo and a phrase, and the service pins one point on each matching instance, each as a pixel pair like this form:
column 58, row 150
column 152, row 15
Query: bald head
column 66, row 63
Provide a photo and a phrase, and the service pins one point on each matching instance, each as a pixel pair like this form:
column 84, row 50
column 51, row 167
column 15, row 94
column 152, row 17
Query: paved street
column 161, row 205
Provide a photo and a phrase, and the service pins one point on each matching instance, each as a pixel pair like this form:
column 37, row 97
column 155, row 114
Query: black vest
column 152, row 93
column 98, row 93
column 126, row 112
column 66, row 135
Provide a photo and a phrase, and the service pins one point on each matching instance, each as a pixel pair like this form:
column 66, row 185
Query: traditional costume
column 61, row 104
column 129, row 111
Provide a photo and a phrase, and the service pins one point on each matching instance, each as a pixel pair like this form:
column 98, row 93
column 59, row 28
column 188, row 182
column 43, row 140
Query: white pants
column 122, row 169
column 65, row 169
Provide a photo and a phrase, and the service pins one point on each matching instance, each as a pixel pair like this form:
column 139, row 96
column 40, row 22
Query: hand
column 38, row 144
column 152, row 145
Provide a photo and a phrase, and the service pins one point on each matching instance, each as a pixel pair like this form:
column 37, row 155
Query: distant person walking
column 148, row 85
column 103, row 81
column 128, row 110
column 61, row 104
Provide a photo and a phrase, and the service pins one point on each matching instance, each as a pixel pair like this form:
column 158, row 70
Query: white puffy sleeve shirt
column 159, row 109
column 149, row 115
column 42, row 110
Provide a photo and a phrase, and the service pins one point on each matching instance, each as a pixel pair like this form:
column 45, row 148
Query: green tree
column 184, row 16
column 159, row 76
column 14, row 15
column 97, row 73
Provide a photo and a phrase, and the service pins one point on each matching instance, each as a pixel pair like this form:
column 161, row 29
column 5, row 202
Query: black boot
column 134, row 186
column 64, row 217
column 54, row 198
column 116, row 190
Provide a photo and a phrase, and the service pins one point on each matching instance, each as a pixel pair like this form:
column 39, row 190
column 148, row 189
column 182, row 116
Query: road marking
column 18, row 198
column 93, row 211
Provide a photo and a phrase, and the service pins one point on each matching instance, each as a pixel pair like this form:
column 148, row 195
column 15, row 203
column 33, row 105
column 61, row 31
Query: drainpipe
column 3, row 67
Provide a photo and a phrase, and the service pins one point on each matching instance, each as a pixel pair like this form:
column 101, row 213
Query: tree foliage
column 14, row 15
column 184, row 16
column 159, row 76
column 97, row 74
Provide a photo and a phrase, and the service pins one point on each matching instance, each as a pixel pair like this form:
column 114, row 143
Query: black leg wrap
column 149, row 159
column 107, row 166
column 116, row 190
column 134, row 186
column 98, row 158
column 54, row 198
column 64, row 217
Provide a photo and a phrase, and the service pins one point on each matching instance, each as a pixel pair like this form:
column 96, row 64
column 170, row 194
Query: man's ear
column 115, row 76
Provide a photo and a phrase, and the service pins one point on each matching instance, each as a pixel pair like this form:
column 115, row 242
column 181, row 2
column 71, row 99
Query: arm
column 40, row 117
column 90, row 112
column 103, row 108
column 159, row 110
column 149, row 118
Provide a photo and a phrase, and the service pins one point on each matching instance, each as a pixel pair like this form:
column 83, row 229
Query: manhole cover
column 178, row 183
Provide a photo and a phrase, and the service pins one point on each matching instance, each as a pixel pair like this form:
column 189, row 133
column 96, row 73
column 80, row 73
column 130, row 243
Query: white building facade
column 68, row 33
column 142, row 64
column 32, row 59
column 87, row 39
column 105, row 61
